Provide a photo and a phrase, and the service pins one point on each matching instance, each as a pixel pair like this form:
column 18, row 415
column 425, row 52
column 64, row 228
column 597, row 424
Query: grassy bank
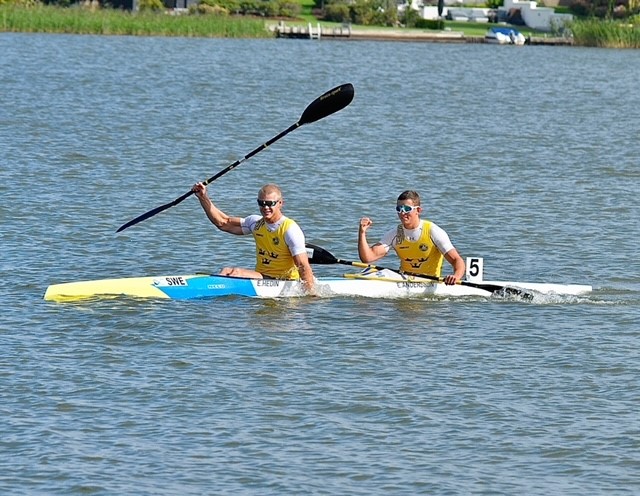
column 48, row 19
column 78, row 20
column 605, row 34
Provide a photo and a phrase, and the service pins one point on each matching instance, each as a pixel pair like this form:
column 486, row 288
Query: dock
column 554, row 41
column 346, row 32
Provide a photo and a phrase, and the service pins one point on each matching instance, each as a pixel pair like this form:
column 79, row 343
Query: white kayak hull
column 194, row 286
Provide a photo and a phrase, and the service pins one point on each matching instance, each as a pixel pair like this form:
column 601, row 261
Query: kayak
column 369, row 284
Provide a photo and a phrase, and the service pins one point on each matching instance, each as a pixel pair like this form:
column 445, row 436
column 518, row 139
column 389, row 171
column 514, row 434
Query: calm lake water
column 527, row 156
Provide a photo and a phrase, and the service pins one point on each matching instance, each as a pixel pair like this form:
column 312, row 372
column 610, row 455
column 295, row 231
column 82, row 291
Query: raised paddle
column 320, row 256
column 329, row 103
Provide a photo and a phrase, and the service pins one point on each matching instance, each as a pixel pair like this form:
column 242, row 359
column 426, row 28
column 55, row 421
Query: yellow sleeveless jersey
column 273, row 258
column 421, row 256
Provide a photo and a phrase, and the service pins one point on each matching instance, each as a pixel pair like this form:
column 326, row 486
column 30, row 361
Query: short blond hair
column 270, row 188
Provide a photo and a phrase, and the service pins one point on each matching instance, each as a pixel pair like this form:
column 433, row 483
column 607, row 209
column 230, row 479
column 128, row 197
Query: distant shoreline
column 408, row 35
column 50, row 19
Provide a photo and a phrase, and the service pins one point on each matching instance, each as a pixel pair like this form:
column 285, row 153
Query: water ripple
column 329, row 395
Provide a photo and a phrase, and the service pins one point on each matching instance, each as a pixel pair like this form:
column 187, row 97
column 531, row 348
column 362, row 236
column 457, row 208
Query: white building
column 541, row 18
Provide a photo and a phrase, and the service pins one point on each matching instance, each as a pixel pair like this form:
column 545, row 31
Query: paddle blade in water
column 329, row 103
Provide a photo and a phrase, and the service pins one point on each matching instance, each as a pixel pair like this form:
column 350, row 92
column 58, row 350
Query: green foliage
column 337, row 12
column 610, row 34
column 363, row 12
column 410, row 17
column 20, row 3
column 50, row 19
column 288, row 8
column 605, row 9
column 580, row 8
column 386, row 15
column 261, row 8
column 150, row 5
column 32, row 16
column 205, row 9
column 494, row 4
column 436, row 24
column 228, row 5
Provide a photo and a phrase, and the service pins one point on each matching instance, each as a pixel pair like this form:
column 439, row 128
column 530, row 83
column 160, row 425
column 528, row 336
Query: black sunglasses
column 268, row 203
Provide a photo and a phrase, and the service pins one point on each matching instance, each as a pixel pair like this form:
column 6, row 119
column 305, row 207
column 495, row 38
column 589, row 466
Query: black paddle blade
column 320, row 256
column 329, row 103
column 503, row 291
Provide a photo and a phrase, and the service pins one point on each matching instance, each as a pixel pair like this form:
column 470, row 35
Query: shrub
column 337, row 12
column 231, row 6
column 288, row 8
column 20, row 3
column 410, row 17
column 206, row 9
column 437, row 24
column 150, row 5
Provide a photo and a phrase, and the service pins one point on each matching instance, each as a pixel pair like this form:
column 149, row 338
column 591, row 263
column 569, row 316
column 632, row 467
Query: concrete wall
column 541, row 18
column 535, row 17
column 463, row 14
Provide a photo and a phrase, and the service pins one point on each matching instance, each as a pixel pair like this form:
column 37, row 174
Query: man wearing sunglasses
column 280, row 243
column 420, row 244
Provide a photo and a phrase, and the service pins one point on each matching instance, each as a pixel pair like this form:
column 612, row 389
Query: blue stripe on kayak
column 209, row 287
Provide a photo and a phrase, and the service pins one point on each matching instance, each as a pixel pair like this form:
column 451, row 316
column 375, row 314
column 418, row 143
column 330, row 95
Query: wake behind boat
column 369, row 284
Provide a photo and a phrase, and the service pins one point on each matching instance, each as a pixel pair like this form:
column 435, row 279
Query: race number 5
column 475, row 267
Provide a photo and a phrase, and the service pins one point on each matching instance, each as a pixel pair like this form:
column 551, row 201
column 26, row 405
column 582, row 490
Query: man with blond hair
column 280, row 243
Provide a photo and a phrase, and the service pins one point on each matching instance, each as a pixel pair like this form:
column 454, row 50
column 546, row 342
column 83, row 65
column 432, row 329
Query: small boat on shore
column 504, row 36
column 369, row 284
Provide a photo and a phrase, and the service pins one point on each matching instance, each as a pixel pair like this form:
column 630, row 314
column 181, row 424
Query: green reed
column 48, row 19
column 605, row 34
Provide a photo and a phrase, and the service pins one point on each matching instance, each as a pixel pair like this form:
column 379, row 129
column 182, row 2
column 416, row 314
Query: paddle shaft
column 238, row 162
column 322, row 256
column 492, row 288
column 180, row 199
column 326, row 104
column 377, row 267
